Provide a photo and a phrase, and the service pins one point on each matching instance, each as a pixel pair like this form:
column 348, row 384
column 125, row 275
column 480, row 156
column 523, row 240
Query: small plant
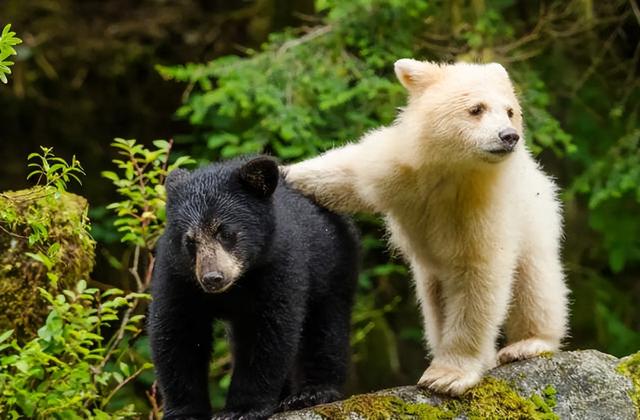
column 70, row 370
column 141, row 213
column 52, row 170
column 7, row 41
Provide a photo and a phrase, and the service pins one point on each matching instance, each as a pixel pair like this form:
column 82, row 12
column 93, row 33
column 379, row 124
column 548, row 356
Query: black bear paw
column 257, row 414
column 310, row 397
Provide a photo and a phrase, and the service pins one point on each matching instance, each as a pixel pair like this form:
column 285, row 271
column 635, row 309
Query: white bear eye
column 510, row 113
column 476, row 110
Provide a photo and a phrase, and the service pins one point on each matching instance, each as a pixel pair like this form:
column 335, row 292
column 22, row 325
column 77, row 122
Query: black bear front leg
column 265, row 349
column 181, row 337
column 325, row 353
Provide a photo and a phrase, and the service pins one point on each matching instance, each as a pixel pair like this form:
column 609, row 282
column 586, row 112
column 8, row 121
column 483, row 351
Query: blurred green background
column 294, row 78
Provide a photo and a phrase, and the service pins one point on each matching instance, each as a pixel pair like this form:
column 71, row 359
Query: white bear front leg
column 428, row 290
column 475, row 305
column 331, row 180
column 537, row 320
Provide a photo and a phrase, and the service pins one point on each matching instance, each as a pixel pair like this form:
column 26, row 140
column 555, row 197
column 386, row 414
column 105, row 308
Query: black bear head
column 220, row 218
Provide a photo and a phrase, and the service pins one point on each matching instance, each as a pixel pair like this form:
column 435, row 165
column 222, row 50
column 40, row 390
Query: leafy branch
column 55, row 171
column 141, row 213
column 7, row 41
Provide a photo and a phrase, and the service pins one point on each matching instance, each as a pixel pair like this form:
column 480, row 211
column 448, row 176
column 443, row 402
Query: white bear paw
column 525, row 349
column 449, row 379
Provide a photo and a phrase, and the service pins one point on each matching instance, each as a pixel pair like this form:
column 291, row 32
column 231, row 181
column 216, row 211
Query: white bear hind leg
column 537, row 319
column 475, row 304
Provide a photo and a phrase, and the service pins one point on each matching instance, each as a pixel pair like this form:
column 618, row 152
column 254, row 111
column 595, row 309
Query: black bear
column 242, row 246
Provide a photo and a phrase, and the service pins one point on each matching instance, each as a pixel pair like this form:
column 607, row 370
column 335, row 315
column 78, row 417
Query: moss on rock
column 31, row 221
column 630, row 367
column 372, row 406
column 492, row 399
column 495, row 398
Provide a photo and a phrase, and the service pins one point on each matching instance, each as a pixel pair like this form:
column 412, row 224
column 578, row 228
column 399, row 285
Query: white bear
column 470, row 210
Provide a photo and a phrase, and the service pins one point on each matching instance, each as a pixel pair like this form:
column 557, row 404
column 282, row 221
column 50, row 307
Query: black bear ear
column 174, row 178
column 260, row 175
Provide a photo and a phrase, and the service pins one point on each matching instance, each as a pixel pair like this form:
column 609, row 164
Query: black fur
column 288, row 313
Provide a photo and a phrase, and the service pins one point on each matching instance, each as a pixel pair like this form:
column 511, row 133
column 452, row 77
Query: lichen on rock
column 31, row 221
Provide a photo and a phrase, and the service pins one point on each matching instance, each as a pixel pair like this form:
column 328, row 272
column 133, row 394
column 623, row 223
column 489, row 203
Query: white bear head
column 468, row 111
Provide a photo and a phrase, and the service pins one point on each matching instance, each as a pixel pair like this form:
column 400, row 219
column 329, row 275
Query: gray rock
column 582, row 385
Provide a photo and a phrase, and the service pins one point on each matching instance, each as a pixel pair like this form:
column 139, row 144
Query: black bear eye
column 476, row 110
column 226, row 236
column 510, row 113
column 190, row 244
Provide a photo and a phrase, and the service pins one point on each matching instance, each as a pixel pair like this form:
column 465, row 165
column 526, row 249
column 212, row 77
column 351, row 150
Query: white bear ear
column 499, row 68
column 416, row 75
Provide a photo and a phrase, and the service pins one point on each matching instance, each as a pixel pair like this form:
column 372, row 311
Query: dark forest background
column 294, row 78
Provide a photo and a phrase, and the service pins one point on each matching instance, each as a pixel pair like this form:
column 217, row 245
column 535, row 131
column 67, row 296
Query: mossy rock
column 630, row 367
column 54, row 218
column 585, row 385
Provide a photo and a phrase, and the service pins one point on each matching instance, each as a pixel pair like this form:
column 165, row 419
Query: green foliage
column 220, row 367
column 543, row 129
column 141, row 213
column 7, row 41
column 612, row 184
column 73, row 367
column 330, row 85
column 70, row 371
column 306, row 94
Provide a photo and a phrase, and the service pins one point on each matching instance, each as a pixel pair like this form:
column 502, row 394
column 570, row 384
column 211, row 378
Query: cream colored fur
column 481, row 232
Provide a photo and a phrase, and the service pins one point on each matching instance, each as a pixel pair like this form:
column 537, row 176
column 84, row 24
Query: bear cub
column 241, row 246
column 468, row 207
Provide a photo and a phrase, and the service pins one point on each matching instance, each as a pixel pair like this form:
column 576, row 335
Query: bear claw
column 524, row 349
column 448, row 380
column 243, row 415
column 309, row 398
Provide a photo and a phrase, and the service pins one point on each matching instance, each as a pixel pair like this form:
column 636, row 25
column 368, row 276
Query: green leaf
column 5, row 335
column 81, row 286
column 124, row 368
column 111, row 292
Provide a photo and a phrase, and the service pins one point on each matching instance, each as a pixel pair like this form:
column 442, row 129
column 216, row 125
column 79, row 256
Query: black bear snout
column 212, row 280
column 509, row 137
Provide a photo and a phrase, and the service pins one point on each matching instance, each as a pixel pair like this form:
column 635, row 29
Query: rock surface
column 585, row 385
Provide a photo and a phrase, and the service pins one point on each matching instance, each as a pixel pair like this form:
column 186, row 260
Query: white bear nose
column 509, row 137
